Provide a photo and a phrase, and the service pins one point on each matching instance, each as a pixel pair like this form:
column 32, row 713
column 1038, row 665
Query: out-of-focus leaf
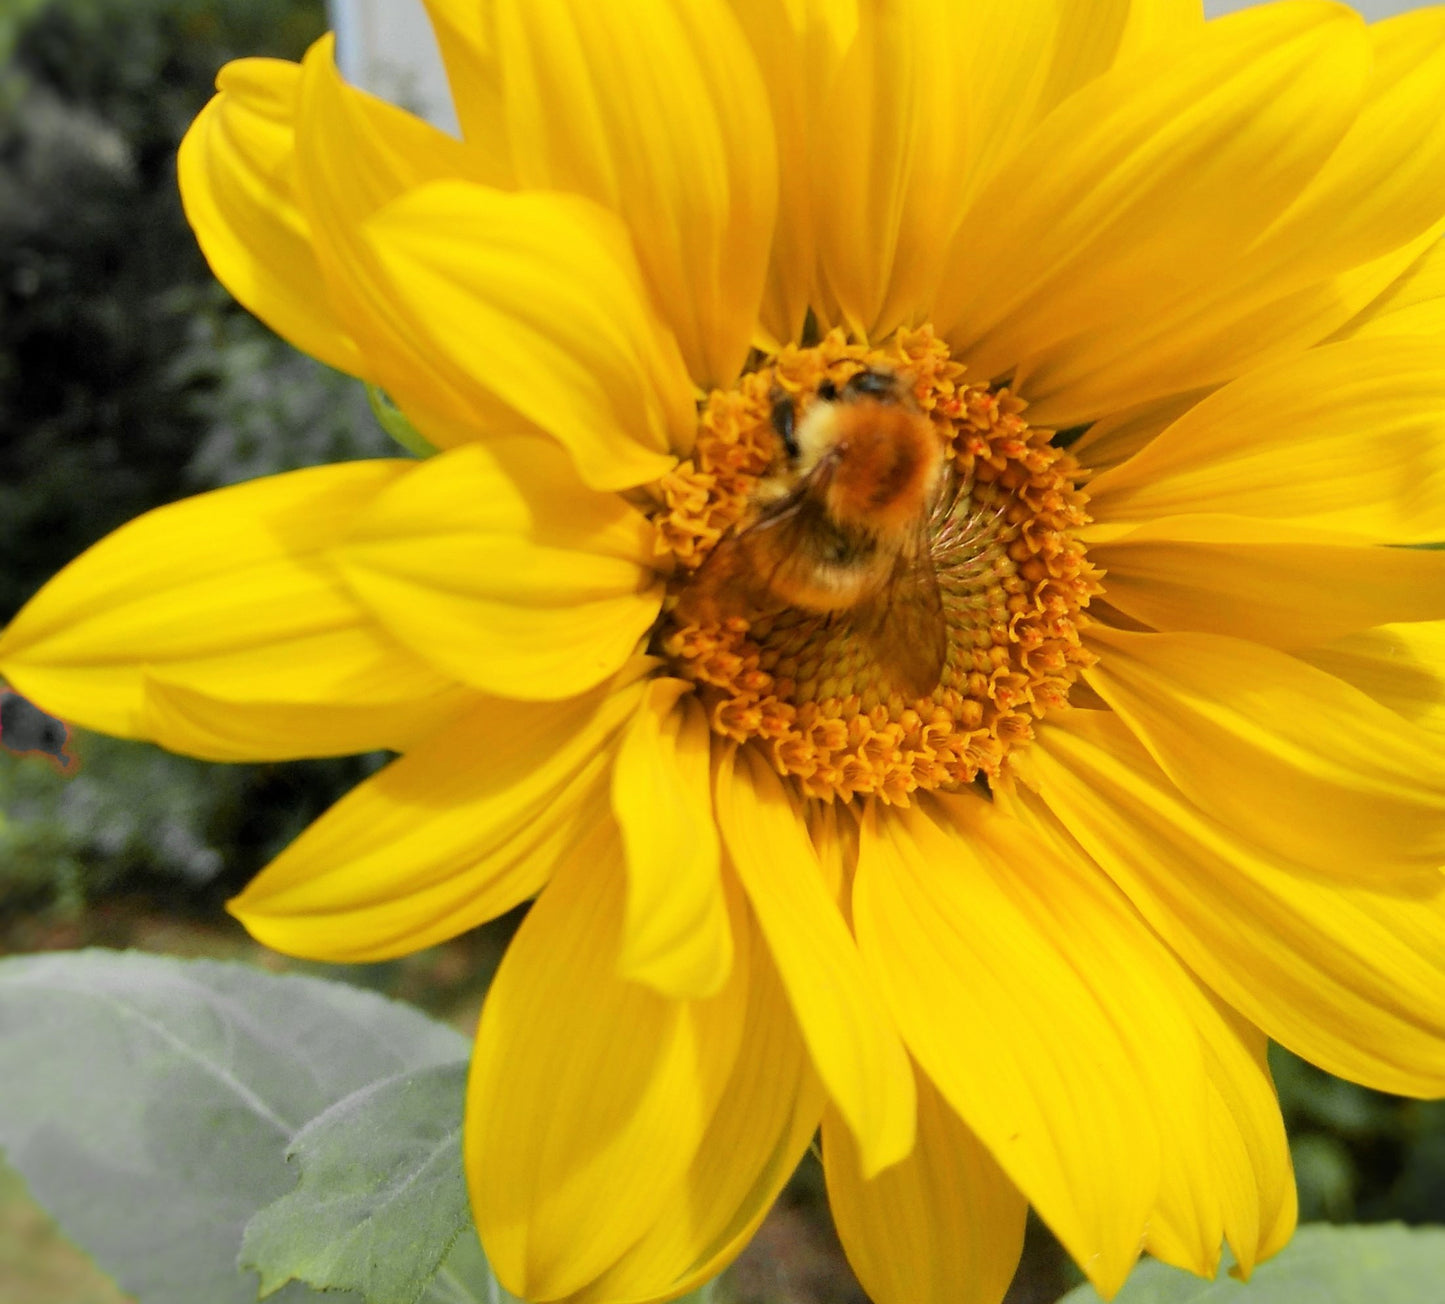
column 149, row 1102
column 1381, row 1264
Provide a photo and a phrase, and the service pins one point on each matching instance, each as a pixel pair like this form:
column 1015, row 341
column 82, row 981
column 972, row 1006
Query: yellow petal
column 1400, row 666
column 797, row 45
column 676, row 935
column 589, row 1094
column 235, row 171
column 1347, row 437
column 1380, row 188
column 1031, row 995
column 329, row 696
column 1288, row 756
column 944, row 1226
column 223, row 592
column 1018, row 61
column 1226, row 1165
column 833, row 827
column 1008, row 64
column 1377, row 193
column 1282, row 585
column 1249, row 1176
column 449, row 836
column 888, row 200
column 1120, row 435
column 1414, row 304
column 656, row 111
column 1136, row 187
column 765, row 1118
column 475, row 81
column 1350, row 975
column 354, row 155
column 535, row 307
column 850, row 1035
column 1153, row 22
column 496, row 564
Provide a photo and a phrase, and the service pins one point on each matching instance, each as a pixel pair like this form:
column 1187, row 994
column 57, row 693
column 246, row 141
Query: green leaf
column 149, row 1102
column 1381, row 1264
column 381, row 1197
column 396, row 424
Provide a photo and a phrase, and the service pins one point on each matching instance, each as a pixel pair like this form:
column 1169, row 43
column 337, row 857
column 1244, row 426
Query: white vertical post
column 387, row 47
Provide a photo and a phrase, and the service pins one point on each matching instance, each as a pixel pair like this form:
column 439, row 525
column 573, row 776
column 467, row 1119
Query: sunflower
column 1167, row 299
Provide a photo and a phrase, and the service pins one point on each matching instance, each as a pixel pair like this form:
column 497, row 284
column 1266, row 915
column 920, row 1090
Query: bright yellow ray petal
column 1032, row 1000
column 452, row 834
column 655, row 110
column 354, row 155
column 1226, row 1169
column 225, row 592
column 765, row 1118
column 889, row 181
column 1347, row 437
column 495, row 563
column 1348, row 974
column 1377, row 193
column 537, row 307
column 589, row 1094
column 326, row 696
column 1132, row 191
column 1380, row 188
column 1012, row 66
column 870, row 173
column 1287, row 755
column 1154, row 22
column 850, row 1036
column 945, row 1226
column 235, row 172
column 1400, row 666
column 475, row 81
column 1282, row 585
column 1249, row 1174
column 1118, row 436
column 1018, row 61
column 676, row 935
column 1413, row 305
column 797, row 45
column 834, row 831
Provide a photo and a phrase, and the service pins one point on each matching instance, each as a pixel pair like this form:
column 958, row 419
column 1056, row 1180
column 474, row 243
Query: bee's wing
column 903, row 623
column 734, row 580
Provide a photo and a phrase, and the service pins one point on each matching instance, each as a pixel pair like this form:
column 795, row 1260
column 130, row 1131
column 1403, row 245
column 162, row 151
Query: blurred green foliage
column 128, row 378
column 1360, row 1155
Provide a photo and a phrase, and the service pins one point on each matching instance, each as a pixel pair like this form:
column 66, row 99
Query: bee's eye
column 827, row 391
column 784, row 419
column 871, row 384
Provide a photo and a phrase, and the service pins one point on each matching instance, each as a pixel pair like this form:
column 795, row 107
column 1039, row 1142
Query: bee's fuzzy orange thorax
column 888, row 460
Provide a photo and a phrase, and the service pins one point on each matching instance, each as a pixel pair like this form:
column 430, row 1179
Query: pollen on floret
column 1013, row 577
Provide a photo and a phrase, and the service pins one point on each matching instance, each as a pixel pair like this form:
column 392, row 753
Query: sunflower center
column 877, row 579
